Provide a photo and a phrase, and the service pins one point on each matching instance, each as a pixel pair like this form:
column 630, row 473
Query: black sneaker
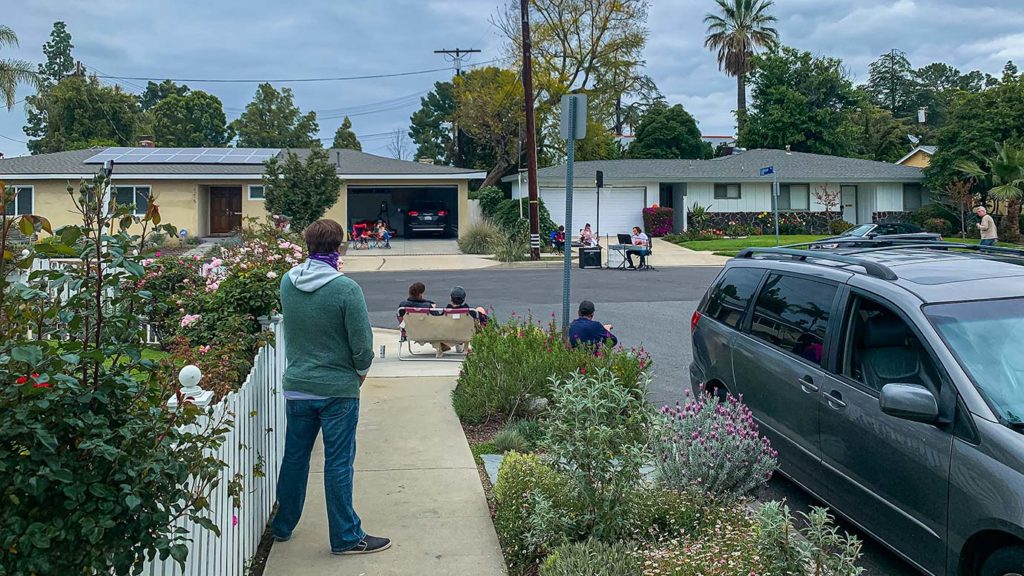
column 368, row 545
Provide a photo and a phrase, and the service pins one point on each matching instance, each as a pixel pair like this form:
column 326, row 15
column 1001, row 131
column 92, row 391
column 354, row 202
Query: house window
column 727, row 191
column 137, row 196
column 256, row 192
column 22, row 202
column 794, row 196
column 913, row 197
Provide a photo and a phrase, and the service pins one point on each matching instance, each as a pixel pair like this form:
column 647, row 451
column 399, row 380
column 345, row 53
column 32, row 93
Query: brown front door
column 225, row 209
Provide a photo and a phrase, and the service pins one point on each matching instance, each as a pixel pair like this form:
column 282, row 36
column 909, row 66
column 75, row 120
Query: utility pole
column 531, row 133
column 457, row 54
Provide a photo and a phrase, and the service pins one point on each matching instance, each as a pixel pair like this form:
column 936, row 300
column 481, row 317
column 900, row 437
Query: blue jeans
column 337, row 417
column 988, row 242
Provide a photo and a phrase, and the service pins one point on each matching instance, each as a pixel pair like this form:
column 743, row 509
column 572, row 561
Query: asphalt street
column 649, row 309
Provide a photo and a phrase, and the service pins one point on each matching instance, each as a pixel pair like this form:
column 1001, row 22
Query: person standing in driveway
column 987, row 226
column 329, row 347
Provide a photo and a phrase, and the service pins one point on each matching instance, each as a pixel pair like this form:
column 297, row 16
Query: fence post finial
column 189, row 377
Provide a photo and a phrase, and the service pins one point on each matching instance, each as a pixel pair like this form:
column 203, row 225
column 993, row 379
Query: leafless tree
column 960, row 197
column 399, row 146
column 829, row 198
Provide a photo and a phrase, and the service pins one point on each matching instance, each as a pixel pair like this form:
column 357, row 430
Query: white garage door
column 621, row 208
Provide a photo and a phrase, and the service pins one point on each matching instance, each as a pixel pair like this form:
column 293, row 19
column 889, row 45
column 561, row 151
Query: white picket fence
column 255, row 443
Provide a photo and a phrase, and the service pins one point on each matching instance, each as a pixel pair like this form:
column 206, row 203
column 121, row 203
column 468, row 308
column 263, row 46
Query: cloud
column 316, row 38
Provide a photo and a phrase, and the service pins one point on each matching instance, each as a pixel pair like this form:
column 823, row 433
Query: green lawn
column 732, row 246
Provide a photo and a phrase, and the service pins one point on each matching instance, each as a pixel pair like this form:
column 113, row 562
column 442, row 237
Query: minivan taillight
column 694, row 320
column 413, row 213
column 442, row 213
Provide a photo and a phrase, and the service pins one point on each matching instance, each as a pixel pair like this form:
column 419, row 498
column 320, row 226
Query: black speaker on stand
column 590, row 257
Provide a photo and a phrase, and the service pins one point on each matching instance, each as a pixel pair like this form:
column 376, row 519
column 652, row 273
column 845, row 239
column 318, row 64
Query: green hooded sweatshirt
column 328, row 339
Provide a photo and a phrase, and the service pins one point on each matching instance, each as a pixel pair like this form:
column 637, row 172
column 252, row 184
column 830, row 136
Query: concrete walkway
column 415, row 483
column 667, row 254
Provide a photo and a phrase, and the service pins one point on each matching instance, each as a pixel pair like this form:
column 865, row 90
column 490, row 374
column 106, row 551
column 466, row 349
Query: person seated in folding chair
column 414, row 300
column 558, row 239
column 382, row 234
column 458, row 301
column 641, row 247
column 360, row 236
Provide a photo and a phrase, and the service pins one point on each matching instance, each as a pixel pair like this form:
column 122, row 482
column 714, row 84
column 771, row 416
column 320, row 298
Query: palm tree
column 743, row 27
column 1006, row 174
column 13, row 72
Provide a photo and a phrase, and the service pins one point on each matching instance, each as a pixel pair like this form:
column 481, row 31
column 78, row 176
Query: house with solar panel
column 209, row 191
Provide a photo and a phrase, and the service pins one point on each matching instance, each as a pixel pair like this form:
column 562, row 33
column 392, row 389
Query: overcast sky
column 258, row 39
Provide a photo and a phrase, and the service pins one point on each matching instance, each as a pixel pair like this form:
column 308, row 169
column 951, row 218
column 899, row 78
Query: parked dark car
column 427, row 216
column 891, row 382
column 877, row 231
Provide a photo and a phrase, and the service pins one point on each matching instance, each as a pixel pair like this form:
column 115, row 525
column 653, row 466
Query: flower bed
column 572, row 497
column 207, row 309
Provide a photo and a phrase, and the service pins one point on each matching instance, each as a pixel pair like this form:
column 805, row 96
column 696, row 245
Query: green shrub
column 591, row 558
column 508, row 440
column 506, row 216
column 817, row 547
column 712, row 446
column 479, row 238
column 535, row 511
column 512, row 363
column 938, row 225
column 598, row 433
column 512, row 246
column 489, row 197
column 157, row 239
column 837, row 227
column 530, row 429
column 728, row 548
column 656, row 514
column 933, row 210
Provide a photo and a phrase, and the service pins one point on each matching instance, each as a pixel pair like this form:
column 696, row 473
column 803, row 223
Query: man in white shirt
column 641, row 247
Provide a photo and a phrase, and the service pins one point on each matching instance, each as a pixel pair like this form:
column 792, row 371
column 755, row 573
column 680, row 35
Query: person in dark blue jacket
column 585, row 331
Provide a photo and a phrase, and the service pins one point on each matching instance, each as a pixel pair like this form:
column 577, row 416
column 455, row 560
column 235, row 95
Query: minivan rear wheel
column 1007, row 561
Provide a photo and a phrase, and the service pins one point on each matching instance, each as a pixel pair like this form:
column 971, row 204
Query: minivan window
column 730, row 297
column 792, row 313
column 985, row 337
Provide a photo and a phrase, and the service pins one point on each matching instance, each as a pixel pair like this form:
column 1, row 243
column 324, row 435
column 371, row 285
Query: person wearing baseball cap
column 584, row 331
column 458, row 300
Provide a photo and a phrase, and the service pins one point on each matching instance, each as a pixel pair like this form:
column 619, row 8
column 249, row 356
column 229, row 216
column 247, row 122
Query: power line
column 13, row 139
column 285, row 80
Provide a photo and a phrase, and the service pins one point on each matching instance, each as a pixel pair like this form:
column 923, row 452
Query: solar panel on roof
column 126, row 155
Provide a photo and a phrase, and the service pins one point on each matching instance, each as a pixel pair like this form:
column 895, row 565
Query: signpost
column 573, row 127
column 770, row 171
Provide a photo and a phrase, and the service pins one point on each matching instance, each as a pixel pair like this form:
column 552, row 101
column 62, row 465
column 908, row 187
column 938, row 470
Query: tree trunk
column 1013, row 213
column 494, row 176
column 741, row 103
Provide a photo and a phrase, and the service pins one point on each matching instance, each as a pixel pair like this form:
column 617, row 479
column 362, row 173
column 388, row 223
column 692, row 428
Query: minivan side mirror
column 909, row 402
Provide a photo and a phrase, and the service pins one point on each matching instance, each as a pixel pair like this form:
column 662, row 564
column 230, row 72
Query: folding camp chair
column 440, row 327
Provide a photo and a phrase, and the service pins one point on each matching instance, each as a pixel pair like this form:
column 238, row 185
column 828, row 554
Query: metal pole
column 567, row 254
column 775, row 203
column 531, row 133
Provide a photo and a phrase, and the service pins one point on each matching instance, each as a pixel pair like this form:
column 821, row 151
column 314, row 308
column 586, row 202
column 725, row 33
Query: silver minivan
column 891, row 381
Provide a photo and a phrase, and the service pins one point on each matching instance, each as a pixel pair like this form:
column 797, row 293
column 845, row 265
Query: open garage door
column 393, row 203
column 621, row 209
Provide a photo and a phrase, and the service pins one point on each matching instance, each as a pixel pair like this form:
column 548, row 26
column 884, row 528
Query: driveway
column 652, row 309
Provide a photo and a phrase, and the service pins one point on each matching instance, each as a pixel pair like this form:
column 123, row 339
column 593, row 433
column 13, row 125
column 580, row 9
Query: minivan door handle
column 835, row 400
column 807, row 385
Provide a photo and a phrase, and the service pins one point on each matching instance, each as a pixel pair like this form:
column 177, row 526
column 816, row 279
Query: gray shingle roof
column 792, row 167
column 349, row 162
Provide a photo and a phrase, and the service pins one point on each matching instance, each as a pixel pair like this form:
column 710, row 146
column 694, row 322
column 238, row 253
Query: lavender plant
column 710, row 446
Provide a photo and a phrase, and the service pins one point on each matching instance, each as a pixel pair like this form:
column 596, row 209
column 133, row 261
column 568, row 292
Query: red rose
column 42, row 385
column 22, row 380
column 35, row 374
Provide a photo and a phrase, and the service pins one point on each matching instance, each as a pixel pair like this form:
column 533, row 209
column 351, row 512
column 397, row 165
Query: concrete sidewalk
column 415, row 483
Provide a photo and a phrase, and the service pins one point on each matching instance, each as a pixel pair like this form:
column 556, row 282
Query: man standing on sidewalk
column 329, row 346
column 987, row 227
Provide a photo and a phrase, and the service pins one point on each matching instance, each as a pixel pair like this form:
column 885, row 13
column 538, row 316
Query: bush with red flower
column 658, row 221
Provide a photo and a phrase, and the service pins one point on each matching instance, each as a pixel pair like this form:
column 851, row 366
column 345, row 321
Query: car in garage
column 427, row 217
column 891, row 382
column 865, row 233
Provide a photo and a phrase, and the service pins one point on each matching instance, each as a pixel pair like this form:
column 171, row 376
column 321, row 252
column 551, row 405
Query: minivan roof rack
column 898, row 244
column 871, row 267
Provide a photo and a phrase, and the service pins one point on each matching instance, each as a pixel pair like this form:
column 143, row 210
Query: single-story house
column 731, row 188
column 208, row 191
column 920, row 157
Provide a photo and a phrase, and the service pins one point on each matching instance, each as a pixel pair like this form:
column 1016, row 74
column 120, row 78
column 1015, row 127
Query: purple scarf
column 329, row 259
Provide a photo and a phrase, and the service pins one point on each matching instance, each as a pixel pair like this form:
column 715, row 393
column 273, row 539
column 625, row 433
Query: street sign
column 580, row 117
column 768, row 171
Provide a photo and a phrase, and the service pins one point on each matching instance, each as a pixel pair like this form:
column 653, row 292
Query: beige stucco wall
column 185, row 203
